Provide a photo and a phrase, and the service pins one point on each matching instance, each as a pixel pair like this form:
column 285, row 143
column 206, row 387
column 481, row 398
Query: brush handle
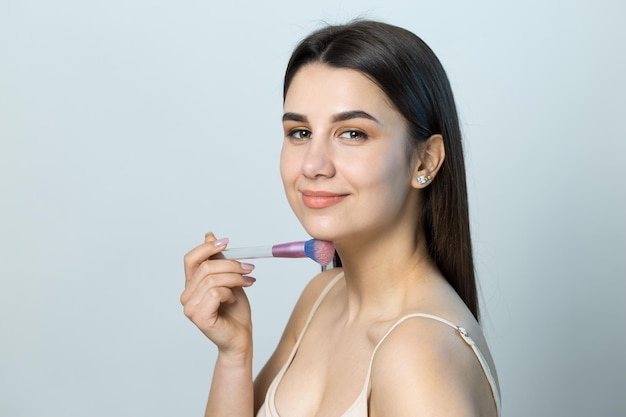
column 289, row 250
column 283, row 250
column 248, row 253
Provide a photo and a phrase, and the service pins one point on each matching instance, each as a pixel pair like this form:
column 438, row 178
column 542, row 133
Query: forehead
column 334, row 89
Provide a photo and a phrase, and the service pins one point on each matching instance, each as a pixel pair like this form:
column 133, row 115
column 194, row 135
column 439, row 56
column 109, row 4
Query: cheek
column 284, row 169
column 390, row 170
column 289, row 168
column 388, row 179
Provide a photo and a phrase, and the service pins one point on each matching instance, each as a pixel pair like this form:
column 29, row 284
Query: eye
column 354, row 135
column 300, row 134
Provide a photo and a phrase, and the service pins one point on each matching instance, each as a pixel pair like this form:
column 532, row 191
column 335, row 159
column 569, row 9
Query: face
column 344, row 163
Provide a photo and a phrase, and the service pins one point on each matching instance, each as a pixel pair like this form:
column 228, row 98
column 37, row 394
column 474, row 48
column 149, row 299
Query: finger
column 204, row 284
column 228, row 280
column 209, row 237
column 221, row 266
column 205, row 305
column 203, row 252
column 215, row 272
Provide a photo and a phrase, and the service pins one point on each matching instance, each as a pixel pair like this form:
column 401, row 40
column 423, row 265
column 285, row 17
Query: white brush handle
column 248, row 253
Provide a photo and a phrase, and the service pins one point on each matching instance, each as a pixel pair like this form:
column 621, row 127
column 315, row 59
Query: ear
column 428, row 161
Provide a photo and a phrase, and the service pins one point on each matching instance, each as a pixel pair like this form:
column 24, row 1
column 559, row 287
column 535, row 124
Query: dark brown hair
column 410, row 74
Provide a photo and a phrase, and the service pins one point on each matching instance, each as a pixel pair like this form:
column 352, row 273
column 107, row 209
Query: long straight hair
column 412, row 77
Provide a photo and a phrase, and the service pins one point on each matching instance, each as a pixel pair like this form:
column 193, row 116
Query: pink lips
column 321, row 199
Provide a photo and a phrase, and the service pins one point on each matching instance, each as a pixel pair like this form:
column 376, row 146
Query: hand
column 214, row 299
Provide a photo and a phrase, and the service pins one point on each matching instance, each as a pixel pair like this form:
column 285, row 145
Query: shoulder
column 424, row 367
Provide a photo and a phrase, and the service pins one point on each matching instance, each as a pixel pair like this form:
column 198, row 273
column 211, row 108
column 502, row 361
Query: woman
column 372, row 160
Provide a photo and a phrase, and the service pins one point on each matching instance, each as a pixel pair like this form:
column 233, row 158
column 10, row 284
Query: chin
column 322, row 231
column 323, row 225
column 322, row 235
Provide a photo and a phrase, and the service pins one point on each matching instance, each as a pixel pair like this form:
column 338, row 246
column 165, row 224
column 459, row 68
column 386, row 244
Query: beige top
column 359, row 407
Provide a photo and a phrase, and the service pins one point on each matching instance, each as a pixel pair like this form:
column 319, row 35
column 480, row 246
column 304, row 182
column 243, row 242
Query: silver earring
column 423, row 179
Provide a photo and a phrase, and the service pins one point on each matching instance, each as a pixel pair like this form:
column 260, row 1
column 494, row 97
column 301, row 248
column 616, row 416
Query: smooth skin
column 214, row 300
column 349, row 177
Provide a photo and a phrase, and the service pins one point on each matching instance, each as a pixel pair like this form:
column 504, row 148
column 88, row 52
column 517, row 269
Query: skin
column 349, row 178
column 214, row 301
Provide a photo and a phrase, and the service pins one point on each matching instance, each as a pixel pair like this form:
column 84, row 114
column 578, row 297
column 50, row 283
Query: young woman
column 372, row 160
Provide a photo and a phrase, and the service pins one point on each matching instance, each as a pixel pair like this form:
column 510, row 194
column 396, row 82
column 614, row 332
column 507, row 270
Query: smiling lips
column 321, row 199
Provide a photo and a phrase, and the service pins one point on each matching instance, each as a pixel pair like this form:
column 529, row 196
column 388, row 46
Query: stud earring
column 423, row 179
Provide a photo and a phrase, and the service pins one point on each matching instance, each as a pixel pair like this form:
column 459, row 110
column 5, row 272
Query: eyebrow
column 339, row 117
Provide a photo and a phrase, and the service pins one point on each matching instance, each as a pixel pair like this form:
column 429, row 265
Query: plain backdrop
column 129, row 128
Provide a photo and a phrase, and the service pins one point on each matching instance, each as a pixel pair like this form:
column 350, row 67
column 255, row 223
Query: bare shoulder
column 297, row 320
column 424, row 367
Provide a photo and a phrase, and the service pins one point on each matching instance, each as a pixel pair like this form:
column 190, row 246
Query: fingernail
column 220, row 242
column 249, row 280
column 247, row 267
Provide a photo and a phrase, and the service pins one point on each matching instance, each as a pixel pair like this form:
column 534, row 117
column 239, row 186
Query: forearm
column 231, row 393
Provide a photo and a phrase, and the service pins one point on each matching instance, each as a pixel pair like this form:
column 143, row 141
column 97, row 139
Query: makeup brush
column 321, row 251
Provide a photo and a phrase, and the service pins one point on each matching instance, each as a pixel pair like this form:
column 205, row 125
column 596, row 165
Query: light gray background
column 128, row 128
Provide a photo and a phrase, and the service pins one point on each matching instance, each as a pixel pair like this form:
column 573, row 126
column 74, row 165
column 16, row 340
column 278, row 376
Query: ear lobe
column 430, row 158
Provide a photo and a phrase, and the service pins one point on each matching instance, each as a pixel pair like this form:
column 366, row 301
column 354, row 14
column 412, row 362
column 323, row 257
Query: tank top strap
column 319, row 300
column 316, row 305
column 269, row 407
column 466, row 338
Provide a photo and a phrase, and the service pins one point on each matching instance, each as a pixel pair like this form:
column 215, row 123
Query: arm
column 215, row 302
column 231, row 392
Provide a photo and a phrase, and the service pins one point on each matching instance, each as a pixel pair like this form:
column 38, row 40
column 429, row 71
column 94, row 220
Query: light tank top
column 359, row 407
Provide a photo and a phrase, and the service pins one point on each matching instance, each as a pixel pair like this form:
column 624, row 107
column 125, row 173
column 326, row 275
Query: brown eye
column 300, row 134
column 354, row 135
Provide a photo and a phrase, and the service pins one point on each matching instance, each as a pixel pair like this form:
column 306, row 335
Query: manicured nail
column 247, row 267
column 249, row 280
column 220, row 242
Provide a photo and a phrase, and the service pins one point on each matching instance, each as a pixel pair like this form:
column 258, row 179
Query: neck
column 384, row 274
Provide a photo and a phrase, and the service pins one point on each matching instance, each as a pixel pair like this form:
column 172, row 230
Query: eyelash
column 297, row 134
column 354, row 135
column 304, row 134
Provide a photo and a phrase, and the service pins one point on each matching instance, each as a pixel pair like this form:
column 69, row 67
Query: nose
column 318, row 161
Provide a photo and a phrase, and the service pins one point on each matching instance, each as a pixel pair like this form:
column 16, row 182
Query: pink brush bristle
column 321, row 251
